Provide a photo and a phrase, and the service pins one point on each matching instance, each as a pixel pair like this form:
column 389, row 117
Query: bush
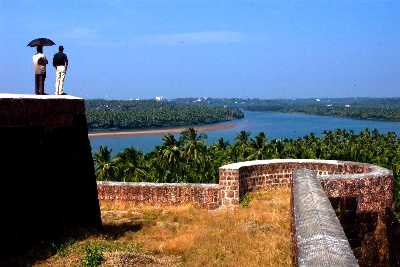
column 93, row 255
column 245, row 200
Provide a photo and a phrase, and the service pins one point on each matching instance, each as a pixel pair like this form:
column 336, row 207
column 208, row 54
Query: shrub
column 245, row 200
column 93, row 255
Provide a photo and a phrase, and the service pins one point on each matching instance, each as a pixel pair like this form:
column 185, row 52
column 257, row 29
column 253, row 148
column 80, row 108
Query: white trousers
column 60, row 76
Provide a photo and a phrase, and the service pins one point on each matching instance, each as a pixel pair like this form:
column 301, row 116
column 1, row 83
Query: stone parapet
column 229, row 180
column 362, row 194
column 40, row 110
column 370, row 184
column 204, row 195
column 319, row 238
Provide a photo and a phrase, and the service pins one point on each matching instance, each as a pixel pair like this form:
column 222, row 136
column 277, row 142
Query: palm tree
column 243, row 149
column 169, row 156
column 193, row 145
column 243, row 137
column 259, row 147
column 169, row 151
column 194, row 153
column 105, row 168
column 130, row 163
column 222, row 144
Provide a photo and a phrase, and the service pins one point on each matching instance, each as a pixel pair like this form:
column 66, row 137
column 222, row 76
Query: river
column 274, row 124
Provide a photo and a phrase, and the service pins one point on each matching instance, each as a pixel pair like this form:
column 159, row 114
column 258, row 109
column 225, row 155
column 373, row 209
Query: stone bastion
column 371, row 185
column 360, row 193
column 47, row 174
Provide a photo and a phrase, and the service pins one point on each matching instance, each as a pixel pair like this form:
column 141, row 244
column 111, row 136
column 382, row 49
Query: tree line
column 187, row 158
column 358, row 108
column 140, row 114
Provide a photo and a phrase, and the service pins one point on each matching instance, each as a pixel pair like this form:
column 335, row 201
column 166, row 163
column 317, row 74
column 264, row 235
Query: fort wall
column 47, row 173
column 204, row 195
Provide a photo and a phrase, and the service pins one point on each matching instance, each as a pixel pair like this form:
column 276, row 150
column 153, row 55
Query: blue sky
column 178, row 48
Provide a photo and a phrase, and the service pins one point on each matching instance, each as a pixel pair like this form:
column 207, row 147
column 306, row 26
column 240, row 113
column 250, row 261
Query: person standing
column 39, row 65
column 60, row 63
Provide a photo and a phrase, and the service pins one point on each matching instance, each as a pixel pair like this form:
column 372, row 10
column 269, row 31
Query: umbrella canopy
column 41, row 42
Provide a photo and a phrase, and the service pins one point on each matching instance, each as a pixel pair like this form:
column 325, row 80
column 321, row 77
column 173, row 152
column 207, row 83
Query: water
column 274, row 124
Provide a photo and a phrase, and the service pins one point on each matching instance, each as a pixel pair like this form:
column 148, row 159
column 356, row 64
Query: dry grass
column 258, row 235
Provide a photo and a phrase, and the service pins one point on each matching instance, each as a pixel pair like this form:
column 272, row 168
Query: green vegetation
column 140, row 114
column 245, row 200
column 93, row 255
column 189, row 159
column 356, row 107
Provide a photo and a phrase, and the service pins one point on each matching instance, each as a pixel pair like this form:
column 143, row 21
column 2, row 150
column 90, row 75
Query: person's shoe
column 64, row 93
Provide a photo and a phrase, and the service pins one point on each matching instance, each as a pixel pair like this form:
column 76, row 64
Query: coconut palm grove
column 188, row 159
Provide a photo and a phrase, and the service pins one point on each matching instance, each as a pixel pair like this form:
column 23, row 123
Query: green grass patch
column 245, row 200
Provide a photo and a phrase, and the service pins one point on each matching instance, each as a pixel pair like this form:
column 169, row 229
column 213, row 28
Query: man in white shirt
column 39, row 66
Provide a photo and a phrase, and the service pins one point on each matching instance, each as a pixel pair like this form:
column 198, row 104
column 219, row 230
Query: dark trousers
column 39, row 83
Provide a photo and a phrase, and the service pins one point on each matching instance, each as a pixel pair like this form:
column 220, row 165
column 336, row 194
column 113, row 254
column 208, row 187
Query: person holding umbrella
column 39, row 65
column 39, row 61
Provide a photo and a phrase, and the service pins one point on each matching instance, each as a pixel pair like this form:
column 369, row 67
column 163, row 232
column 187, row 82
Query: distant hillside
column 140, row 114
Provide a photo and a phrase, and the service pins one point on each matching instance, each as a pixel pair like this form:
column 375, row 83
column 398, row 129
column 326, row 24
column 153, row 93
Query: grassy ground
column 257, row 234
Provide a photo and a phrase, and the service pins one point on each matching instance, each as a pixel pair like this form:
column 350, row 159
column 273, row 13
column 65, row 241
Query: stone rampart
column 48, row 179
column 361, row 193
column 204, row 195
column 319, row 239
column 370, row 184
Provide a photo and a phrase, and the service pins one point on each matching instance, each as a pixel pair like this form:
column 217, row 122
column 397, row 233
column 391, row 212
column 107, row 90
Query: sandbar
column 205, row 128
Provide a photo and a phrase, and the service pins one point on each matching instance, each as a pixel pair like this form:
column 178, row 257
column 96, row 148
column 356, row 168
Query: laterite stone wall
column 371, row 185
column 363, row 193
column 204, row 195
column 319, row 239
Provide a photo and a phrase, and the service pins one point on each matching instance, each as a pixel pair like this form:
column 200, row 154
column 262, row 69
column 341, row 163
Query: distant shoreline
column 205, row 128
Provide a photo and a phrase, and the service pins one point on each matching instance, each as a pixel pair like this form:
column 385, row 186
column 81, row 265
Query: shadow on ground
column 44, row 249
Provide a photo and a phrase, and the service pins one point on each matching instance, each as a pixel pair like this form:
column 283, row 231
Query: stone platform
column 47, row 174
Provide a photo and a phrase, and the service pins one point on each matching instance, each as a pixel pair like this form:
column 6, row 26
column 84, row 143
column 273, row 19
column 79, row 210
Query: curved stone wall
column 370, row 184
column 362, row 194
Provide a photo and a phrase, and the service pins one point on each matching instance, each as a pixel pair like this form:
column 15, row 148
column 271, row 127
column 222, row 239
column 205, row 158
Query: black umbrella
column 41, row 42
